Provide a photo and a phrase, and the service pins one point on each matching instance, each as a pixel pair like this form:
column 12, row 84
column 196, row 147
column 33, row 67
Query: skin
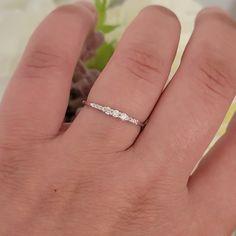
column 101, row 176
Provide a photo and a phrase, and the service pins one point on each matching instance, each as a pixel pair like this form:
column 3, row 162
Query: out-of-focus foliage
column 105, row 52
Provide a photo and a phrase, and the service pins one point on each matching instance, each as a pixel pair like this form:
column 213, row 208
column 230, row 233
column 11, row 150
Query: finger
column 194, row 104
column 132, row 81
column 213, row 183
column 37, row 97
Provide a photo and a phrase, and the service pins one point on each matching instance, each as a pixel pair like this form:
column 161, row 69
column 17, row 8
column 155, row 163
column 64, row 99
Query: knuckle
column 214, row 78
column 43, row 61
column 141, row 63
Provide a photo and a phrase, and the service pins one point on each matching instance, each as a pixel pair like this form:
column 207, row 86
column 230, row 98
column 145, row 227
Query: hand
column 103, row 176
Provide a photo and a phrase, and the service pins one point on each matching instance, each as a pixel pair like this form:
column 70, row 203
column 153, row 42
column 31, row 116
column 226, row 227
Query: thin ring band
column 114, row 113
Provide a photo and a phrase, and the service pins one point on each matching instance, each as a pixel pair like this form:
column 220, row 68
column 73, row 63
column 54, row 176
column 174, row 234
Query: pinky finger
column 213, row 183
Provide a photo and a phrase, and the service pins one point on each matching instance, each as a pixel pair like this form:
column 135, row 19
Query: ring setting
column 114, row 113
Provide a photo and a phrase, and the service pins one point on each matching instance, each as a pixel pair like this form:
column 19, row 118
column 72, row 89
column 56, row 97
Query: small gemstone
column 132, row 120
column 108, row 110
column 116, row 113
column 124, row 116
column 97, row 106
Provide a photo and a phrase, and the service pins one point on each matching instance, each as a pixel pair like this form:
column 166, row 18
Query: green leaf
column 102, row 57
column 101, row 6
column 105, row 52
column 107, row 28
column 98, row 4
column 115, row 3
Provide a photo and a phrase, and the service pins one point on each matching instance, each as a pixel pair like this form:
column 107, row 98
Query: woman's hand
column 103, row 176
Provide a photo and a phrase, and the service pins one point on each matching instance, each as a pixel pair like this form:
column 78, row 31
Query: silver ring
column 114, row 113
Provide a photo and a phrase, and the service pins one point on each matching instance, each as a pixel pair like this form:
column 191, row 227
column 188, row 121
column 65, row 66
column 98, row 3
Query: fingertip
column 88, row 5
column 212, row 9
column 166, row 13
column 213, row 12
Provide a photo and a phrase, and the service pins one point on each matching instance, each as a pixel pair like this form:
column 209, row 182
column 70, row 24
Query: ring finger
column 132, row 81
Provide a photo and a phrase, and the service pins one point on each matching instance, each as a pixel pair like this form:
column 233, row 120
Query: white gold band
column 114, row 113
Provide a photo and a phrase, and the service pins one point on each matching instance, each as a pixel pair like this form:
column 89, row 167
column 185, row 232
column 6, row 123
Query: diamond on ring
column 114, row 113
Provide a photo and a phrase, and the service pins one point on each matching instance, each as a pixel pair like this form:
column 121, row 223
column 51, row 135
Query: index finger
column 37, row 97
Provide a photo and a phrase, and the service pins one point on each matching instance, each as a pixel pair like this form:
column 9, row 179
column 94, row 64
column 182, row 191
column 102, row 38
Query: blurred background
column 18, row 19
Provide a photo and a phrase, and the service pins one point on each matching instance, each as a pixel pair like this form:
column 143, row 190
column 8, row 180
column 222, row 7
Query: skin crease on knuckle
column 41, row 63
column 81, row 194
column 140, row 64
column 137, row 58
column 213, row 64
column 214, row 80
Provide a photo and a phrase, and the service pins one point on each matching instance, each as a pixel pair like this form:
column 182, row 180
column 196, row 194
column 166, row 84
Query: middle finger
column 194, row 104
